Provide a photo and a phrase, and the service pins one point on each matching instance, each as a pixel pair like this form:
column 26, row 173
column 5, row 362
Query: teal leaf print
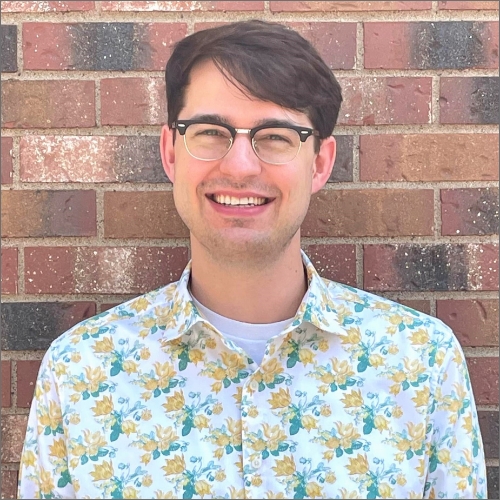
column 64, row 480
column 183, row 361
column 363, row 363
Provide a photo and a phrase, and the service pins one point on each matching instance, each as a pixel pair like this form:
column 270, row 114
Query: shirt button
column 257, row 462
column 254, row 385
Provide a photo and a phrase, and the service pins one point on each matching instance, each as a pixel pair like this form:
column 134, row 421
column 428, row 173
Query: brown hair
column 272, row 62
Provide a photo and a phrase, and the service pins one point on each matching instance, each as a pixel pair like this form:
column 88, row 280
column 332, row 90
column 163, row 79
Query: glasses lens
column 206, row 141
column 276, row 145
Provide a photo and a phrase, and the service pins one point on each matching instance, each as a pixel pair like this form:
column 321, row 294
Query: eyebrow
column 222, row 120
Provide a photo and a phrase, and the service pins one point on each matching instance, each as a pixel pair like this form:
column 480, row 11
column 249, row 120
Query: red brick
column 469, row 211
column 390, row 45
column 469, row 100
column 181, row 6
column 370, row 212
column 419, row 305
column 385, row 100
column 458, row 5
column 133, row 101
column 7, row 147
column 48, row 213
column 13, row 432
column 6, row 384
column 48, row 104
column 438, row 267
column 429, row 157
column 106, row 270
column 475, row 322
column 484, row 378
column 9, row 483
column 87, row 46
column 9, row 270
column 91, row 159
column 142, row 215
column 334, row 262
column 46, row 6
column 27, row 372
column 280, row 6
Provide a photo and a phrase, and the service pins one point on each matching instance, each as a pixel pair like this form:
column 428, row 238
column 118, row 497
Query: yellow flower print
column 76, row 357
column 421, row 467
column 220, row 475
column 140, row 304
column 398, row 376
column 328, row 455
column 238, row 395
column 353, row 336
column 348, row 494
column 309, row 422
column 160, row 494
column 306, row 356
column 271, row 494
column 234, row 493
column 397, row 412
column 381, row 423
column 46, row 482
column 393, row 349
column 28, row 459
column 348, row 434
column 175, row 402
column 332, row 443
column 385, row 491
column 166, row 436
column 145, row 353
column 270, row 369
column 210, row 343
column 95, row 376
column 74, row 419
column 58, row 449
column 130, row 492
column 80, row 386
column 165, row 373
column 74, row 398
column 323, row 345
column 395, row 389
column 440, row 355
column 284, row 467
column 325, row 410
column 280, row 399
column 103, row 471
column 417, row 434
column 146, row 415
column 51, row 416
column 342, row 370
column 147, row 480
column 358, row 465
column 330, row 477
column 314, row 490
column 444, row 456
column 274, row 435
column 256, row 480
column 175, row 465
column 217, row 409
column 201, row 422
column 94, row 441
column 103, row 407
column 419, row 337
column 195, row 356
column 401, row 479
column 146, row 458
column 422, row 397
column 104, row 345
column 130, row 366
column 60, row 369
column 202, row 488
column 467, row 425
column 76, row 485
column 376, row 360
column 414, row 369
column 353, row 400
column 129, row 427
column 234, row 363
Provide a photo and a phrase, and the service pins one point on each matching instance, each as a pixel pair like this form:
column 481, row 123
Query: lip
column 240, row 194
column 239, row 211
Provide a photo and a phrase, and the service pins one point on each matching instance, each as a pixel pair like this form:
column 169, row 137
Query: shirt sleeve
column 44, row 462
column 456, row 466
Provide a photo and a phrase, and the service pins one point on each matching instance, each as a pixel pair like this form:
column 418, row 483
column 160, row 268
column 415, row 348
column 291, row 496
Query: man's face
column 241, row 233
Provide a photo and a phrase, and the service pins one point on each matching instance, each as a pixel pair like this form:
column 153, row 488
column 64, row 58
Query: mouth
column 245, row 201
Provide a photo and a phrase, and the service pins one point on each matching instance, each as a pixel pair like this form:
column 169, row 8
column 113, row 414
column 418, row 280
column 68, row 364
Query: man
column 252, row 377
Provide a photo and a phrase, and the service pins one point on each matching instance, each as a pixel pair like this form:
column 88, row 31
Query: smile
column 250, row 201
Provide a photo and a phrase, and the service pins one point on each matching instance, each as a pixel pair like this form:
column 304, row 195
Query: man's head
column 236, row 79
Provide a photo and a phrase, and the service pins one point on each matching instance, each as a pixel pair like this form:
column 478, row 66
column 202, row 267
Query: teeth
column 231, row 200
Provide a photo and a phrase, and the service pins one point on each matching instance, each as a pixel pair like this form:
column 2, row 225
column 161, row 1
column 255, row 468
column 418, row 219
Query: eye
column 274, row 137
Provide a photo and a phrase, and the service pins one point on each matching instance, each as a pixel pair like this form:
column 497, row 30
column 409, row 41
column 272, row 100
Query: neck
column 264, row 293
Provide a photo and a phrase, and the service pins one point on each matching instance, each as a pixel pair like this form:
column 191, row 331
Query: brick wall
column 411, row 210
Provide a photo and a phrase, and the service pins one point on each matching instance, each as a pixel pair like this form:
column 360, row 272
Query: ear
column 323, row 163
column 167, row 151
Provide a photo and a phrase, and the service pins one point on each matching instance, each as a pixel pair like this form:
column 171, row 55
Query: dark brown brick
column 484, row 378
column 27, row 372
column 48, row 104
column 99, row 46
column 133, row 101
column 431, row 45
column 469, row 100
column 437, row 267
column 7, row 147
column 91, row 159
column 469, row 211
column 344, row 161
column 46, row 6
column 34, row 325
column 385, row 100
column 6, row 384
column 474, row 321
column 142, row 215
column 474, row 5
column 13, row 432
column 9, row 270
column 291, row 6
column 488, row 421
column 429, row 157
column 106, row 270
column 8, row 38
column 181, row 6
column 48, row 213
column 491, row 471
column 9, row 483
column 419, row 305
column 334, row 262
column 369, row 212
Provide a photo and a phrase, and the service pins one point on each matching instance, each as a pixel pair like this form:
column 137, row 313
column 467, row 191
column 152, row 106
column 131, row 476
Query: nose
column 241, row 160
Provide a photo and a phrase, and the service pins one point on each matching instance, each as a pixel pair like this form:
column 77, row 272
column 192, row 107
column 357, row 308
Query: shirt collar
column 316, row 308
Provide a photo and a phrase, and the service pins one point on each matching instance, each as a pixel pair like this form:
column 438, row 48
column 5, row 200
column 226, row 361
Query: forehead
column 211, row 92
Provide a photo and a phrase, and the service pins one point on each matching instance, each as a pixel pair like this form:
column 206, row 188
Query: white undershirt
column 251, row 337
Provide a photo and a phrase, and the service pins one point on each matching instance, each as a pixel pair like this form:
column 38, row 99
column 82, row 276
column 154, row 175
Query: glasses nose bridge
column 243, row 131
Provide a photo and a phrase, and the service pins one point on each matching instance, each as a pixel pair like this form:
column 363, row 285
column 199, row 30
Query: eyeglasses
column 272, row 144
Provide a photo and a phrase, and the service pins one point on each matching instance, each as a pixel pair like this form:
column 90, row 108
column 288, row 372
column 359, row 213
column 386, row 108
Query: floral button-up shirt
column 359, row 397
